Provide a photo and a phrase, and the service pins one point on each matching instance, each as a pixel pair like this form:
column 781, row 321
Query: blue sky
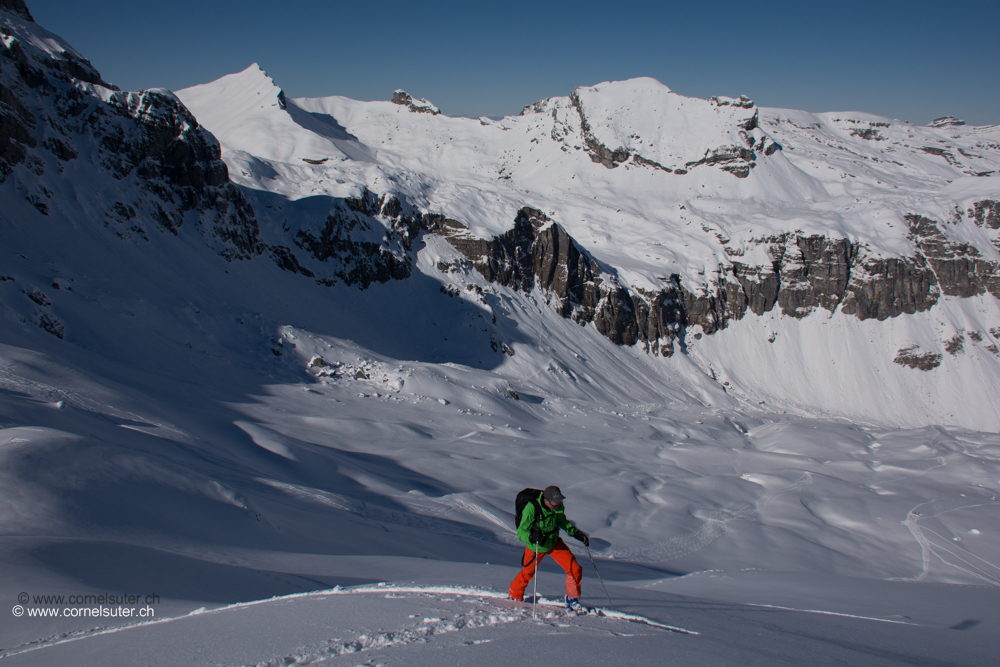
column 913, row 61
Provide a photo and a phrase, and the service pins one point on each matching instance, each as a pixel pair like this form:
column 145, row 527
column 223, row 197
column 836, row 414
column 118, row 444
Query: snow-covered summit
column 249, row 108
column 946, row 121
column 697, row 213
column 333, row 360
column 403, row 98
column 646, row 120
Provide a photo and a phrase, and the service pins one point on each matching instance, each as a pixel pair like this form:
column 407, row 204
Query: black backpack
column 523, row 498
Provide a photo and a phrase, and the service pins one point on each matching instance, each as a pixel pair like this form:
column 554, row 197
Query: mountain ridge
column 253, row 346
column 344, row 192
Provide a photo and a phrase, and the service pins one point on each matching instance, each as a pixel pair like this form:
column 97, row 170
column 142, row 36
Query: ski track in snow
column 830, row 613
column 40, row 391
column 487, row 613
column 968, row 563
column 551, row 612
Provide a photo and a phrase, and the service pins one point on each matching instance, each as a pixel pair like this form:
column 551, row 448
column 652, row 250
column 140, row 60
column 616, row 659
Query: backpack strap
column 538, row 525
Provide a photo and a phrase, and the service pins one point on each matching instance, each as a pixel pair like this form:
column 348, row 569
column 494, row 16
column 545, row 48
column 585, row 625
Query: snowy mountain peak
column 249, row 109
column 327, row 346
column 946, row 121
column 645, row 120
column 31, row 45
column 16, row 7
column 250, row 89
column 402, row 98
column 694, row 216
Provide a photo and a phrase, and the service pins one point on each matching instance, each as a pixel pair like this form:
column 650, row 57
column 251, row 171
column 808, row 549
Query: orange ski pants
column 561, row 554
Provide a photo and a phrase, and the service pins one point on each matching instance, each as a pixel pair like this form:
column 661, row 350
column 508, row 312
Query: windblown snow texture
column 254, row 346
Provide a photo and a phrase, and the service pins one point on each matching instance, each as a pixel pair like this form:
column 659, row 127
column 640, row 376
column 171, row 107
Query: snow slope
column 219, row 431
column 455, row 624
column 838, row 175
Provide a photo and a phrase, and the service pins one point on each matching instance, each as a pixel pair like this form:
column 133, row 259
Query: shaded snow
column 801, row 499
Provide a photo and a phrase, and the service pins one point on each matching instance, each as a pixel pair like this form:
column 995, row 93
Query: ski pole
column 599, row 578
column 534, row 580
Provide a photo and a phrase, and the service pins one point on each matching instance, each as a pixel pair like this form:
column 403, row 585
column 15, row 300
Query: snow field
column 235, row 437
column 426, row 624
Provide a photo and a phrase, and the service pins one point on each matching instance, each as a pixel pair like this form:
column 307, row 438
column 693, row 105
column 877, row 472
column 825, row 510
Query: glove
column 535, row 537
column 582, row 536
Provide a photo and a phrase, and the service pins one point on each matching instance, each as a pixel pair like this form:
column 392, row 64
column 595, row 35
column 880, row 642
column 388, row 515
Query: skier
column 539, row 527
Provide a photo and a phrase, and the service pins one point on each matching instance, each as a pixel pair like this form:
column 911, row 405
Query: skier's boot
column 573, row 604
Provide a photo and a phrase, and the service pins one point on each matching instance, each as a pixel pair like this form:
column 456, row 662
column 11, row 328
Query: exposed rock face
column 358, row 262
column 538, row 253
column 881, row 288
column 945, row 121
column 815, row 272
column 914, row 358
column 986, row 213
column 867, row 133
column 807, row 272
column 176, row 161
column 16, row 7
column 960, row 268
column 350, row 237
column 403, row 98
column 598, row 152
column 535, row 253
column 742, row 102
column 760, row 285
column 357, row 241
column 737, row 160
column 169, row 169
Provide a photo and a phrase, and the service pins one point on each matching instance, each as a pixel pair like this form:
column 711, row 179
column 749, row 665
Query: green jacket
column 549, row 523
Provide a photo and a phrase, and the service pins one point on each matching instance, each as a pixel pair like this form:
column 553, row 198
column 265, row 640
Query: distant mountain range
column 790, row 255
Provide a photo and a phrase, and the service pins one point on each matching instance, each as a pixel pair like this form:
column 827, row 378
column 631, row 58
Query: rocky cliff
column 806, row 273
column 56, row 112
column 16, row 7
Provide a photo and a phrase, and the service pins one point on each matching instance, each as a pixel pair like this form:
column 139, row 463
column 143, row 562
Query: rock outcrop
column 986, row 214
column 352, row 246
column 806, row 273
column 735, row 158
column 16, row 7
column 55, row 107
column 946, row 121
column 358, row 240
column 959, row 268
column 598, row 152
column 402, row 98
column 538, row 253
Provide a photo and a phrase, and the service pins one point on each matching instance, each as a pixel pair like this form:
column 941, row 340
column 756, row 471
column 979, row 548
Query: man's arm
column 572, row 530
